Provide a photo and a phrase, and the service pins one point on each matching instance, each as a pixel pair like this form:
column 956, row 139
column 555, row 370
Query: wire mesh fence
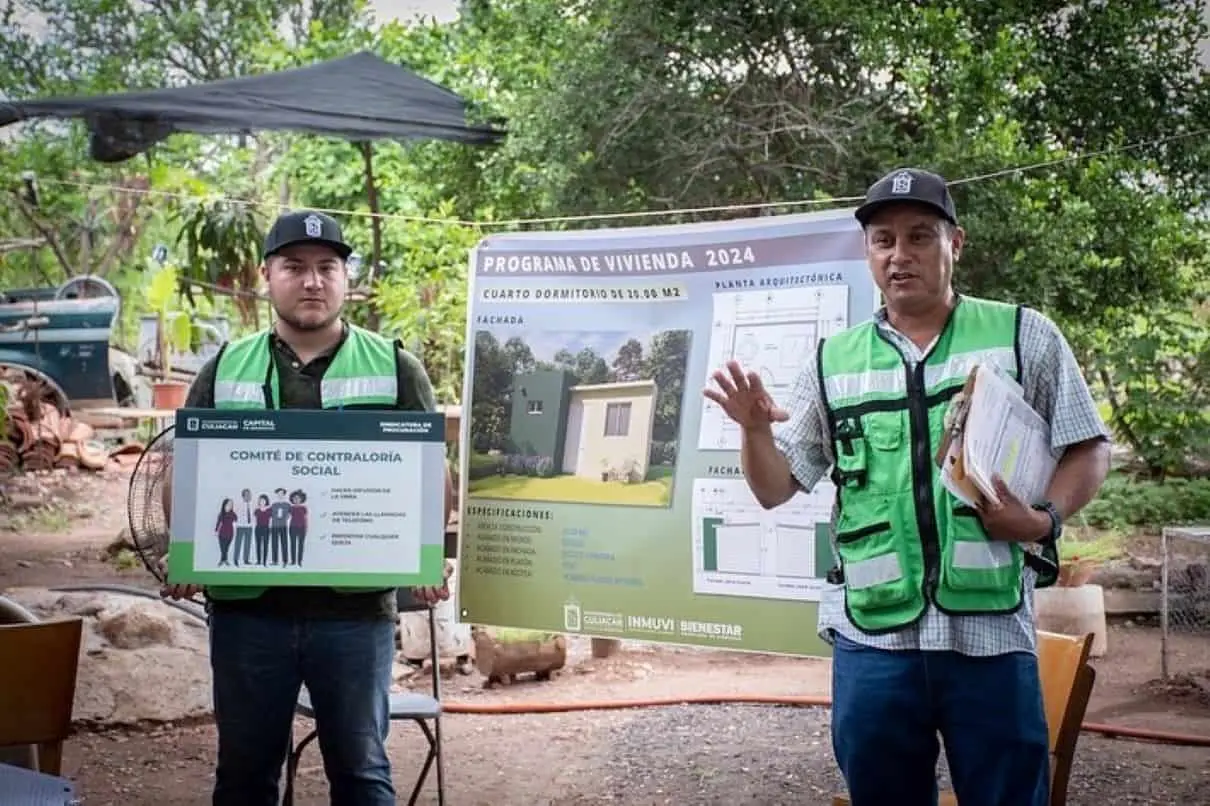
column 1184, row 592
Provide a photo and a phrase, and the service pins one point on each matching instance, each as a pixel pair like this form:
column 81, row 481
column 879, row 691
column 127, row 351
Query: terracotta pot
column 168, row 395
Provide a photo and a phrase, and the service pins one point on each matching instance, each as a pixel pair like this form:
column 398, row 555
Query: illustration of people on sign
column 244, row 524
column 262, row 529
column 279, row 524
column 277, row 529
column 298, row 526
column 224, row 529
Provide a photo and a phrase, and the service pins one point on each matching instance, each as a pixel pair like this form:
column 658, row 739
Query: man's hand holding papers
column 1010, row 518
column 996, row 455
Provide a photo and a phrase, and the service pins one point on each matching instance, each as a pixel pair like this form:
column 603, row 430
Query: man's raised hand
column 743, row 397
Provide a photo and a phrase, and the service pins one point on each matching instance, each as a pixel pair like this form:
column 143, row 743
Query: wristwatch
column 1056, row 522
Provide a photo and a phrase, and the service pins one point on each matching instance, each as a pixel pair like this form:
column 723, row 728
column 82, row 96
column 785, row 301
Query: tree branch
column 46, row 232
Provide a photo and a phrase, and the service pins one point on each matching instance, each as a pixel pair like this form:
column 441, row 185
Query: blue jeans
column 259, row 664
column 888, row 707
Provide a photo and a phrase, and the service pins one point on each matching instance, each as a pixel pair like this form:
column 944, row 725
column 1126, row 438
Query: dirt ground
column 733, row 754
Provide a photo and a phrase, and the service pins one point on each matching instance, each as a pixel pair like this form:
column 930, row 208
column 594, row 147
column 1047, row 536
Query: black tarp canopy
column 359, row 97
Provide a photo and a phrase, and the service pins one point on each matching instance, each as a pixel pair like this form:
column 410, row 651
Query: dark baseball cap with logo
column 305, row 226
column 908, row 186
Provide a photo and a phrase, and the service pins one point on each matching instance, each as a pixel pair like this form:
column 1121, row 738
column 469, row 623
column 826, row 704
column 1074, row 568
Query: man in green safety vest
column 929, row 609
column 266, row 643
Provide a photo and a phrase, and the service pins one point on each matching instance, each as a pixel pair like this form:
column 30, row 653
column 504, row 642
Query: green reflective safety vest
column 363, row 375
column 903, row 539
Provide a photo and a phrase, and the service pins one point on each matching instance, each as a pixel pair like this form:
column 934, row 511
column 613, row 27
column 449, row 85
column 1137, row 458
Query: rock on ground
column 140, row 660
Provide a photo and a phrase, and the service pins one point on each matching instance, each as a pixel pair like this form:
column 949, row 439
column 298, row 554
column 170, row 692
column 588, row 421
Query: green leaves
column 421, row 299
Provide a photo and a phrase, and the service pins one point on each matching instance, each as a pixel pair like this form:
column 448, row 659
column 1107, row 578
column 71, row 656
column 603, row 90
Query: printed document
column 996, row 432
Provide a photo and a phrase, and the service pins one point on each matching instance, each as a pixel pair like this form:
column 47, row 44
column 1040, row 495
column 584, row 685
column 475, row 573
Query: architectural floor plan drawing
column 770, row 332
column 742, row 549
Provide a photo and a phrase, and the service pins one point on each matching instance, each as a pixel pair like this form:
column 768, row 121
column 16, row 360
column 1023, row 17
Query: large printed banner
column 601, row 492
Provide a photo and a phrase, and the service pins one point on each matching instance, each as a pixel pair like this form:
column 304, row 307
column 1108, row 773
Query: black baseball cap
column 305, row 226
column 911, row 185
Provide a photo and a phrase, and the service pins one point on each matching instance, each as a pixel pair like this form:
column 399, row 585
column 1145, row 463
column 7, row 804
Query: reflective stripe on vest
column 855, row 386
column 362, row 373
column 966, row 554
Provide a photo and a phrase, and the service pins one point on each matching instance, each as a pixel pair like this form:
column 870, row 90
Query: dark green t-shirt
column 299, row 388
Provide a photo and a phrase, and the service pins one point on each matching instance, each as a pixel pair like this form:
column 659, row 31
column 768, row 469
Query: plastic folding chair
column 422, row 709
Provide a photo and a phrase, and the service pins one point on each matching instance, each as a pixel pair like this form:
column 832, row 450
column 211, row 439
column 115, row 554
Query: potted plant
column 174, row 334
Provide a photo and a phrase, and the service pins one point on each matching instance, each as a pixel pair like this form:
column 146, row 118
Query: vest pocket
column 884, row 429
column 850, row 451
column 874, row 574
column 974, row 562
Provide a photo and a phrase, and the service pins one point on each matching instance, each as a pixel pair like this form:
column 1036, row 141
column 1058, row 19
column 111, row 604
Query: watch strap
column 1056, row 522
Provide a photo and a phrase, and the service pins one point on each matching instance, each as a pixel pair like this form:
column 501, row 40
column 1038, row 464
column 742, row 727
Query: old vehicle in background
column 63, row 337
column 60, row 335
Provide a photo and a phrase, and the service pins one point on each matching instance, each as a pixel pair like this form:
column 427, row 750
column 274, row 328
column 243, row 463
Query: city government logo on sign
column 572, row 616
column 217, row 425
column 603, row 622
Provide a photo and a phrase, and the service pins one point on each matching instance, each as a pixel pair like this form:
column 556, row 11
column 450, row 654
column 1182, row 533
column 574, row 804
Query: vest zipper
column 922, row 478
column 922, row 470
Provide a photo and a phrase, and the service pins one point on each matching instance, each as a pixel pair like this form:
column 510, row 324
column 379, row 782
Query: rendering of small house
column 597, row 431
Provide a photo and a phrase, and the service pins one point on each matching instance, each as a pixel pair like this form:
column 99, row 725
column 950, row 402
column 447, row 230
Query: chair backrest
column 1067, row 682
column 38, row 665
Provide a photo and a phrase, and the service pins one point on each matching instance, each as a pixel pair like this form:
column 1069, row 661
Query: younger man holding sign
column 266, row 643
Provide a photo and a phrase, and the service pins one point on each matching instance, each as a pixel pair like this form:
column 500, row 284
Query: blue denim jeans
column 259, row 664
column 889, row 707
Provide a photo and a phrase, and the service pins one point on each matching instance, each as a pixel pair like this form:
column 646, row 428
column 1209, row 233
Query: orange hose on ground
column 646, row 702
column 798, row 700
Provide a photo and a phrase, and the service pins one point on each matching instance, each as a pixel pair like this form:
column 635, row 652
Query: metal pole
column 1164, row 603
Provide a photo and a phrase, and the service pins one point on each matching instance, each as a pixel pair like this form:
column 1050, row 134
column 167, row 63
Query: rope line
column 725, row 208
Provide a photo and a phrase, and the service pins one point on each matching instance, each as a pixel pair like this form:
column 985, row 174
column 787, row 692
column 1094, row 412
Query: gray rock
column 140, row 661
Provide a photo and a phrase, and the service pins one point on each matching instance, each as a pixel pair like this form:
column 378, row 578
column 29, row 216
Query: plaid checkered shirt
column 1053, row 386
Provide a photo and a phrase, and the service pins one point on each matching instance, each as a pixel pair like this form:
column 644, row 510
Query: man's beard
column 297, row 324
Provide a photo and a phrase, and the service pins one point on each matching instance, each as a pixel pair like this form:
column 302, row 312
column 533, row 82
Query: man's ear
column 957, row 241
column 264, row 271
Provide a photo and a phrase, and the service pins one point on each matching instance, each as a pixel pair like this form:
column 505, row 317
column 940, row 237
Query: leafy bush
column 482, row 465
column 520, row 465
column 1155, row 373
column 1125, row 502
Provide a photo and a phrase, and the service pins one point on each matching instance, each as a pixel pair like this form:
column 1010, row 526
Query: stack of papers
column 992, row 431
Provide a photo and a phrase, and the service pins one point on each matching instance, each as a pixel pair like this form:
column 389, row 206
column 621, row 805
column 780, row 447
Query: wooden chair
column 1067, row 681
column 38, row 665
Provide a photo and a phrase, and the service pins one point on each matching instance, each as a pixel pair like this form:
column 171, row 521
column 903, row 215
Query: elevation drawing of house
column 594, row 431
column 771, row 332
column 742, row 549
